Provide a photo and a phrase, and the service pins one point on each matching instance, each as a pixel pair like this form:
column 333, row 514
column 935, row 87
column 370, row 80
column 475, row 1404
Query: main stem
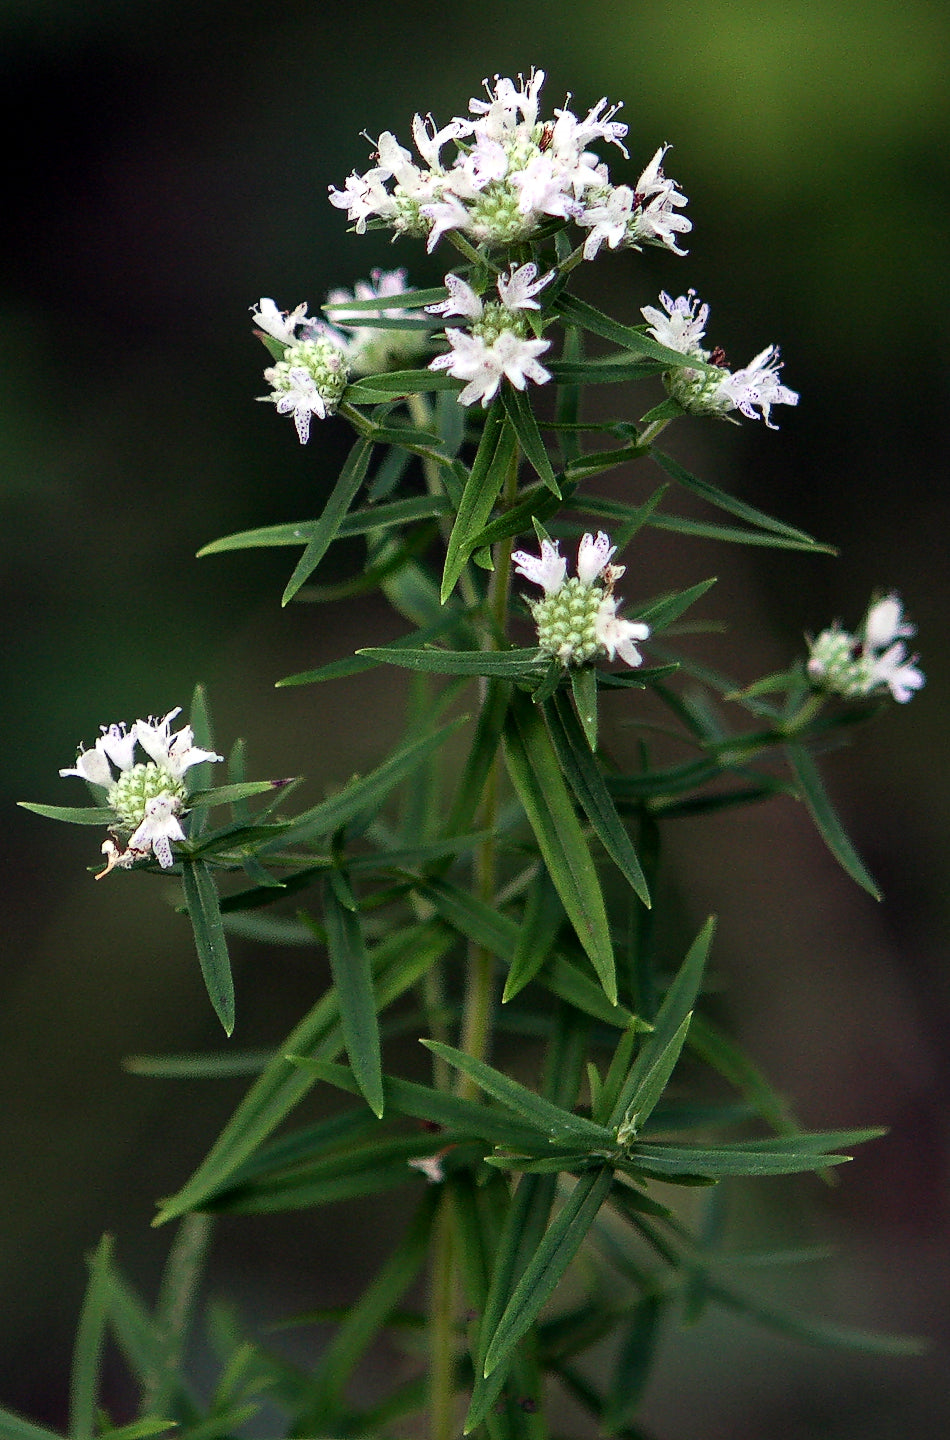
column 475, row 1036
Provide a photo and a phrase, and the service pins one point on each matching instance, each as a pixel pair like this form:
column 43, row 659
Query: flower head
column 870, row 662
column 714, row 390
column 146, row 797
column 511, row 174
column 498, row 345
column 310, row 379
column 577, row 620
column 371, row 350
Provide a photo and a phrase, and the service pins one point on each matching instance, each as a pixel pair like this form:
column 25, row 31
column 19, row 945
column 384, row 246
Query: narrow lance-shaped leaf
column 536, row 776
column 90, row 1339
column 826, row 820
column 326, row 528
column 525, row 426
column 586, row 780
column 354, row 986
column 496, row 450
column 549, row 1262
column 201, row 900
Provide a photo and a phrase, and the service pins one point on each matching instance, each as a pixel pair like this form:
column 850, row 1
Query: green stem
column 647, row 436
column 442, row 1419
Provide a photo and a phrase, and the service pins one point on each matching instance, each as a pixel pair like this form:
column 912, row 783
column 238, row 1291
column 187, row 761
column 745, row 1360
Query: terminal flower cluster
column 681, row 325
column 577, row 620
column 512, row 174
column 147, row 797
column 870, row 662
column 498, row 342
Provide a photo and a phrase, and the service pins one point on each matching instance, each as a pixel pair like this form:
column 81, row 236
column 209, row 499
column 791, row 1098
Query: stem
column 476, row 1014
column 647, row 436
column 442, row 1423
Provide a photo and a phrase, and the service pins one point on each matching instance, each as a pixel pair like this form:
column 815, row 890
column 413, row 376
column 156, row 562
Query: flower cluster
column 497, row 342
column 870, row 662
column 512, row 174
column 145, row 797
column 681, row 325
column 577, row 620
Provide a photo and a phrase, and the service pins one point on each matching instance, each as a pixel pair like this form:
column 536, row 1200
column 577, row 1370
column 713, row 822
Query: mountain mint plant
column 496, row 907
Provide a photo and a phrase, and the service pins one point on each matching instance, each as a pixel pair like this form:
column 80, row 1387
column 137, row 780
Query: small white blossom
column 430, row 1166
column 146, row 798
column 371, row 350
column 549, row 570
column 498, row 345
column 519, row 287
column 875, row 659
column 577, row 620
column 280, row 324
column 715, row 390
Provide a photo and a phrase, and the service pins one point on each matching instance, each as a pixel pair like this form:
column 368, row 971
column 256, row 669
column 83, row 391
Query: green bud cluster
column 837, row 664
column 323, row 360
column 135, row 787
column 567, row 622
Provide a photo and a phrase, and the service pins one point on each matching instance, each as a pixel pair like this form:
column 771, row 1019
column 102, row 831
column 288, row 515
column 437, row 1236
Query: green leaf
column 661, row 613
column 354, row 986
column 551, row 1121
column 566, row 981
column 397, row 964
column 650, row 1088
column 633, row 1363
column 357, row 522
column 536, row 776
column 540, row 923
column 812, row 1331
column 520, row 414
column 725, row 1057
column 826, row 820
column 729, row 503
column 201, row 900
column 677, row 1005
column 90, row 1340
column 714, row 1162
column 174, row 1315
column 229, row 794
column 326, row 528
column 584, row 777
column 508, row 664
column 584, row 687
column 378, row 389
column 577, row 312
column 561, row 1243
column 731, row 534
column 366, row 794
column 72, row 814
column 12, row 1427
column 496, row 451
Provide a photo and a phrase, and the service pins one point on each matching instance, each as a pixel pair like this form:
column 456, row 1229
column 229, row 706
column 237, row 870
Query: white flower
column 300, row 397
column 176, row 752
column 715, row 390
column 430, row 1166
column 519, row 287
column 617, row 635
column 577, row 619
column 884, row 623
column 683, row 325
column 310, row 379
column 159, row 826
column 875, row 659
column 755, row 387
column 145, row 798
column 592, row 558
column 485, row 365
column 608, row 221
column 461, row 300
column 281, row 324
column 899, row 674
column 369, row 349
column 549, row 570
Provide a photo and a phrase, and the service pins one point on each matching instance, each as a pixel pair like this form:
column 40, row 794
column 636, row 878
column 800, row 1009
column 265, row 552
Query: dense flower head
column 146, row 797
column 370, row 350
column 512, row 173
column 498, row 343
column 577, row 620
column 311, row 377
column 870, row 662
column 681, row 325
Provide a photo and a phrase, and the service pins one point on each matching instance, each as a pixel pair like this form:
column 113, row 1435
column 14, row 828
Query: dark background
column 168, row 165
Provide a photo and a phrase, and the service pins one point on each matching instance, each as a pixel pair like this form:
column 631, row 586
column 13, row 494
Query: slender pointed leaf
column 648, row 1092
column 201, row 899
column 507, row 664
column 326, row 528
column 584, row 686
column 723, row 501
column 826, row 820
column 584, row 777
column 536, row 776
column 561, row 1243
column 72, row 814
column 90, row 1340
column 543, row 917
column 354, row 986
column 519, row 411
column 496, row 450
